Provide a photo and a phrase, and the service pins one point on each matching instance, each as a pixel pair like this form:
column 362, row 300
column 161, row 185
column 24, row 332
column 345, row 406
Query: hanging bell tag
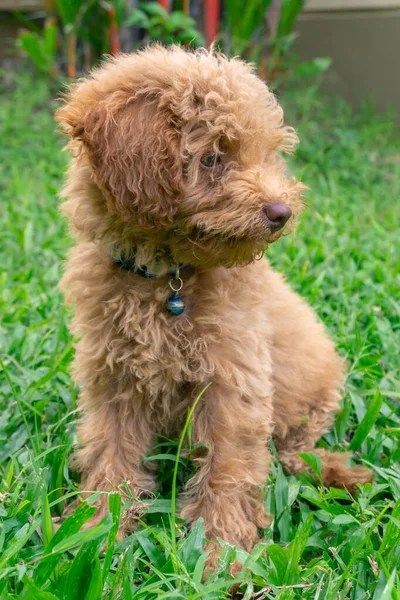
column 175, row 305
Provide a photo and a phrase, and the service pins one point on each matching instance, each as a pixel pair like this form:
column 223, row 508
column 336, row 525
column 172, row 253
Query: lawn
column 345, row 258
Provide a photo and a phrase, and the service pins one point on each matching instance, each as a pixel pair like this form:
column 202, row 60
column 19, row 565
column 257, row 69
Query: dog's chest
column 159, row 350
column 168, row 354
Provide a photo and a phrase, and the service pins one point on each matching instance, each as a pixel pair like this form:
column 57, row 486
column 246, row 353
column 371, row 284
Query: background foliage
column 77, row 33
column 264, row 34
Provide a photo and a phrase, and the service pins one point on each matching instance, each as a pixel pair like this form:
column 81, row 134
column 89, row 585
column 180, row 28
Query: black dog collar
column 175, row 305
column 129, row 264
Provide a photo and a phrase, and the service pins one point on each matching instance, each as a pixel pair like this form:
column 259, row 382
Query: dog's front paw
column 214, row 562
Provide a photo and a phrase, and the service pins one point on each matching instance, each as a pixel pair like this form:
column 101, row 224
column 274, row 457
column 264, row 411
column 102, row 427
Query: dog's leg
column 307, row 376
column 227, row 489
column 114, row 437
column 335, row 471
column 306, row 400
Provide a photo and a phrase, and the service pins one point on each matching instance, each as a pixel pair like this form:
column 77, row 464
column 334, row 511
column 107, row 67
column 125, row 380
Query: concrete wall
column 363, row 39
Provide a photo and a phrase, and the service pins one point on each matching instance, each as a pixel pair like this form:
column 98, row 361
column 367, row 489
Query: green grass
column 344, row 259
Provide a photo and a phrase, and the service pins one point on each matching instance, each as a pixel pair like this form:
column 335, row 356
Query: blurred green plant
column 89, row 29
column 263, row 33
column 169, row 28
column 75, row 35
column 78, row 32
column 41, row 47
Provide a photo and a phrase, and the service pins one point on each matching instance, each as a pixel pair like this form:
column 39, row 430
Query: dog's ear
column 133, row 144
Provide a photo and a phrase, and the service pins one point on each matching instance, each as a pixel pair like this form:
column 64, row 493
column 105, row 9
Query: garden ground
column 344, row 259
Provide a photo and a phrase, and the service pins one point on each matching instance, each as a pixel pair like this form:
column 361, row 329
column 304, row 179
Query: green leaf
column 18, row 542
column 160, row 505
column 33, row 46
column 199, row 568
column 193, row 546
column 285, row 594
column 70, row 527
column 69, row 10
column 162, row 457
column 114, row 505
column 252, row 17
column 85, row 536
column 84, row 565
column 295, row 550
column 344, row 520
column 313, row 460
column 153, row 553
column 8, row 475
column 178, row 20
column 252, row 562
column 391, row 537
column 47, row 523
column 225, row 558
column 290, row 10
column 96, row 582
column 191, row 36
column 283, row 518
column 279, row 558
column 358, row 550
column 2, row 537
column 138, row 18
column 127, row 590
column 59, row 460
column 293, row 491
column 154, row 9
column 367, row 422
column 387, row 592
column 243, row 24
column 31, row 592
column 50, row 40
column 313, row 67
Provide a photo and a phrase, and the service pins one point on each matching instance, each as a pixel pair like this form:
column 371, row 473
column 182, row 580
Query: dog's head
column 185, row 150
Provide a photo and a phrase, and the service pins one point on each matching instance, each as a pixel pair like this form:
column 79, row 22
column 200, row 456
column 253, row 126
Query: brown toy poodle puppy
column 177, row 183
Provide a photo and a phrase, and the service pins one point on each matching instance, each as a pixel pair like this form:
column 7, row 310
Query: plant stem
column 71, row 49
column 175, row 475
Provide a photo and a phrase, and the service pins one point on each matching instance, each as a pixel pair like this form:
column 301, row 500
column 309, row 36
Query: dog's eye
column 210, row 160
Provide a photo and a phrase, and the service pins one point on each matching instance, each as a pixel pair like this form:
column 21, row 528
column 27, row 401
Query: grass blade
column 31, row 592
column 96, row 583
column 114, row 505
column 47, row 523
column 387, row 592
column 367, row 422
column 20, row 539
column 70, row 527
column 175, row 475
column 193, row 546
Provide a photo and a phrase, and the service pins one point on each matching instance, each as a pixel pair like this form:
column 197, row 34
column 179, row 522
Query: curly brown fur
column 139, row 127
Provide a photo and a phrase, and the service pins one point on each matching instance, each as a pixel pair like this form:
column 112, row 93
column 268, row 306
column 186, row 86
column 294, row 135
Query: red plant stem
column 71, row 52
column 52, row 21
column 50, row 6
column 114, row 33
column 211, row 20
column 87, row 56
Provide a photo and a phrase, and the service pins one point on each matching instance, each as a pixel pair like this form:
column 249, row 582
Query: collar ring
column 180, row 283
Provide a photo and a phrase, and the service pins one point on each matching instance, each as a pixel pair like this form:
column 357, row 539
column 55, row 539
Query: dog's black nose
column 277, row 215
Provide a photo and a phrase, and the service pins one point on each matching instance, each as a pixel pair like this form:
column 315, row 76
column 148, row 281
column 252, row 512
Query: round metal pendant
column 175, row 304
